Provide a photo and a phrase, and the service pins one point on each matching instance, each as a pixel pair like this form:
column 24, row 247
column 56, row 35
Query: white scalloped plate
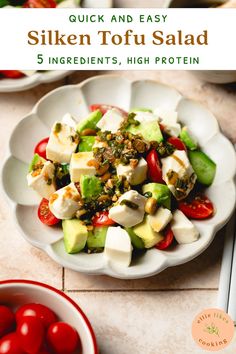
column 118, row 91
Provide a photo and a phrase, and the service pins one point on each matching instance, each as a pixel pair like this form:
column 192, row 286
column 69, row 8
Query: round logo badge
column 212, row 330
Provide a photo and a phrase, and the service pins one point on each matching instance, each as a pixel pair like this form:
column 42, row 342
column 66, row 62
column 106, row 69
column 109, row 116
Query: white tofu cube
column 178, row 174
column 169, row 120
column 64, row 202
column 183, row 229
column 173, row 129
column 118, row 248
column 69, row 120
column 28, row 72
column 160, row 219
column 134, row 175
column 111, row 121
column 126, row 215
column 42, row 179
column 145, row 117
column 79, row 165
column 63, row 141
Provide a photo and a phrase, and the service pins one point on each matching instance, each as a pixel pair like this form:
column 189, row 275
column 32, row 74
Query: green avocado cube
column 86, row 143
column 90, row 122
column 75, row 235
column 149, row 130
column 160, row 192
column 141, row 109
column 35, row 160
column 90, row 187
column 97, row 238
column 149, row 237
column 136, row 241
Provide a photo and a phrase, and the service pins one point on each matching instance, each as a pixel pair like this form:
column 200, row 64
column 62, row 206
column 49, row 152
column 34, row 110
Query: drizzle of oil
column 178, row 160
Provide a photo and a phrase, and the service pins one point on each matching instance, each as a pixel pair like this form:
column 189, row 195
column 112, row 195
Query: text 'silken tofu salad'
column 122, row 182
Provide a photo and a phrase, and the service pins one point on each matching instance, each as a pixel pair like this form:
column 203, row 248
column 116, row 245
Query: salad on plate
column 122, row 182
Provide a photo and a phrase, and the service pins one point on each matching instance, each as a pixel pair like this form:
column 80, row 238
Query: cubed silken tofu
column 79, row 165
column 64, row 202
column 160, row 219
column 169, row 119
column 126, row 215
column 111, row 121
column 183, row 229
column 178, row 174
column 63, row 142
column 134, row 175
column 69, row 120
column 143, row 116
column 118, row 247
column 42, row 180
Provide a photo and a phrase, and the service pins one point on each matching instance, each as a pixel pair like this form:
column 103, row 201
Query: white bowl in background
column 118, row 91
column 15, row 293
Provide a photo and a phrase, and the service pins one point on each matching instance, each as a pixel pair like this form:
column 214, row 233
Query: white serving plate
column 118, row 91
column 15, row 293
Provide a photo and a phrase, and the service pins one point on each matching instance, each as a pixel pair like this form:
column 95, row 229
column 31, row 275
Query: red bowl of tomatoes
column 36, row 318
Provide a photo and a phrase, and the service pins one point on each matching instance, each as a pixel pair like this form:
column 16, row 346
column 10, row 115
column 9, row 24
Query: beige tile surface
column 146, row 322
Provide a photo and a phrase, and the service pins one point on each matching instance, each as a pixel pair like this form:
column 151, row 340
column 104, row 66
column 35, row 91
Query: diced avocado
column 141, row 109
column 90, row 122
column 188, row 140
column 75, row 235
column 149, row 130
column 136, row 241
column 86, row 143
column 97, row 238
column 90, row 186
column 160, row 192
column 203, row 166
column 147, row 234
column 35, row 160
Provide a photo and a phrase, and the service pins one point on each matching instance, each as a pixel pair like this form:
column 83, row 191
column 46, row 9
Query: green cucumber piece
column 203, row 166
column 86, row 143
column 90, row 122
column 188, row 139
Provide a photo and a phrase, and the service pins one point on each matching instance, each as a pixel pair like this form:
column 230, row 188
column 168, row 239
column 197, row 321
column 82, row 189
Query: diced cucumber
column 86, row 143
column 203, row 166
column 90, row 122
column 136, row 241
column 188, row 139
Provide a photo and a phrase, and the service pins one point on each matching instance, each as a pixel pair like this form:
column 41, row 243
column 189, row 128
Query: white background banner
column 117, row 39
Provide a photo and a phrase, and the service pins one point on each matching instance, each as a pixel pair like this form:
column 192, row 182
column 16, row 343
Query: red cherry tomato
column 62, row 338
column 162, row 127
column 45, row 215
column 105, row 107
column 10, row 344
column 40, row 4
column 200, row 207
column 176, row 142
column 154, row 167
column 7, row 320
column 102, row 219
column 40, row 148
column 46, row 315
column 30, row 332
column 11, row 74
column 167, row 241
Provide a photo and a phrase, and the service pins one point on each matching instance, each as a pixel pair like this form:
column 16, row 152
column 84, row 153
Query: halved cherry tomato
column 40, row 148
column 11, row 74
column 102, row 219
column 45, row 314
column 176, row 142
column 40, row 4
column 7, row 320
column 154, row 167
column 200, row 207
column 30, row 332
column 10, row 344
column 167, row 241
column 62, row 338
column 105, row 107
column 45, row 215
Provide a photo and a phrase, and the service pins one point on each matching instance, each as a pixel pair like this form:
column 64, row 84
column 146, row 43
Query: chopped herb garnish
column 57, row 128
column 129, row 204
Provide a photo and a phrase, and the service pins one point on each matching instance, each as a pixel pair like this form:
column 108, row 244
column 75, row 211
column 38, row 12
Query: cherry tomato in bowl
column 40, row 148
column 103, row 108
column 30, row 332
column 7, row 320
column 45, row 215
column 102, row 219
column 199, row 207
column 167, row 241
column 40, row 4
column 62, row 338
column 44, row 313
column 154, row 167
column 10, row 344
column 11, row 74
column 177, row 143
